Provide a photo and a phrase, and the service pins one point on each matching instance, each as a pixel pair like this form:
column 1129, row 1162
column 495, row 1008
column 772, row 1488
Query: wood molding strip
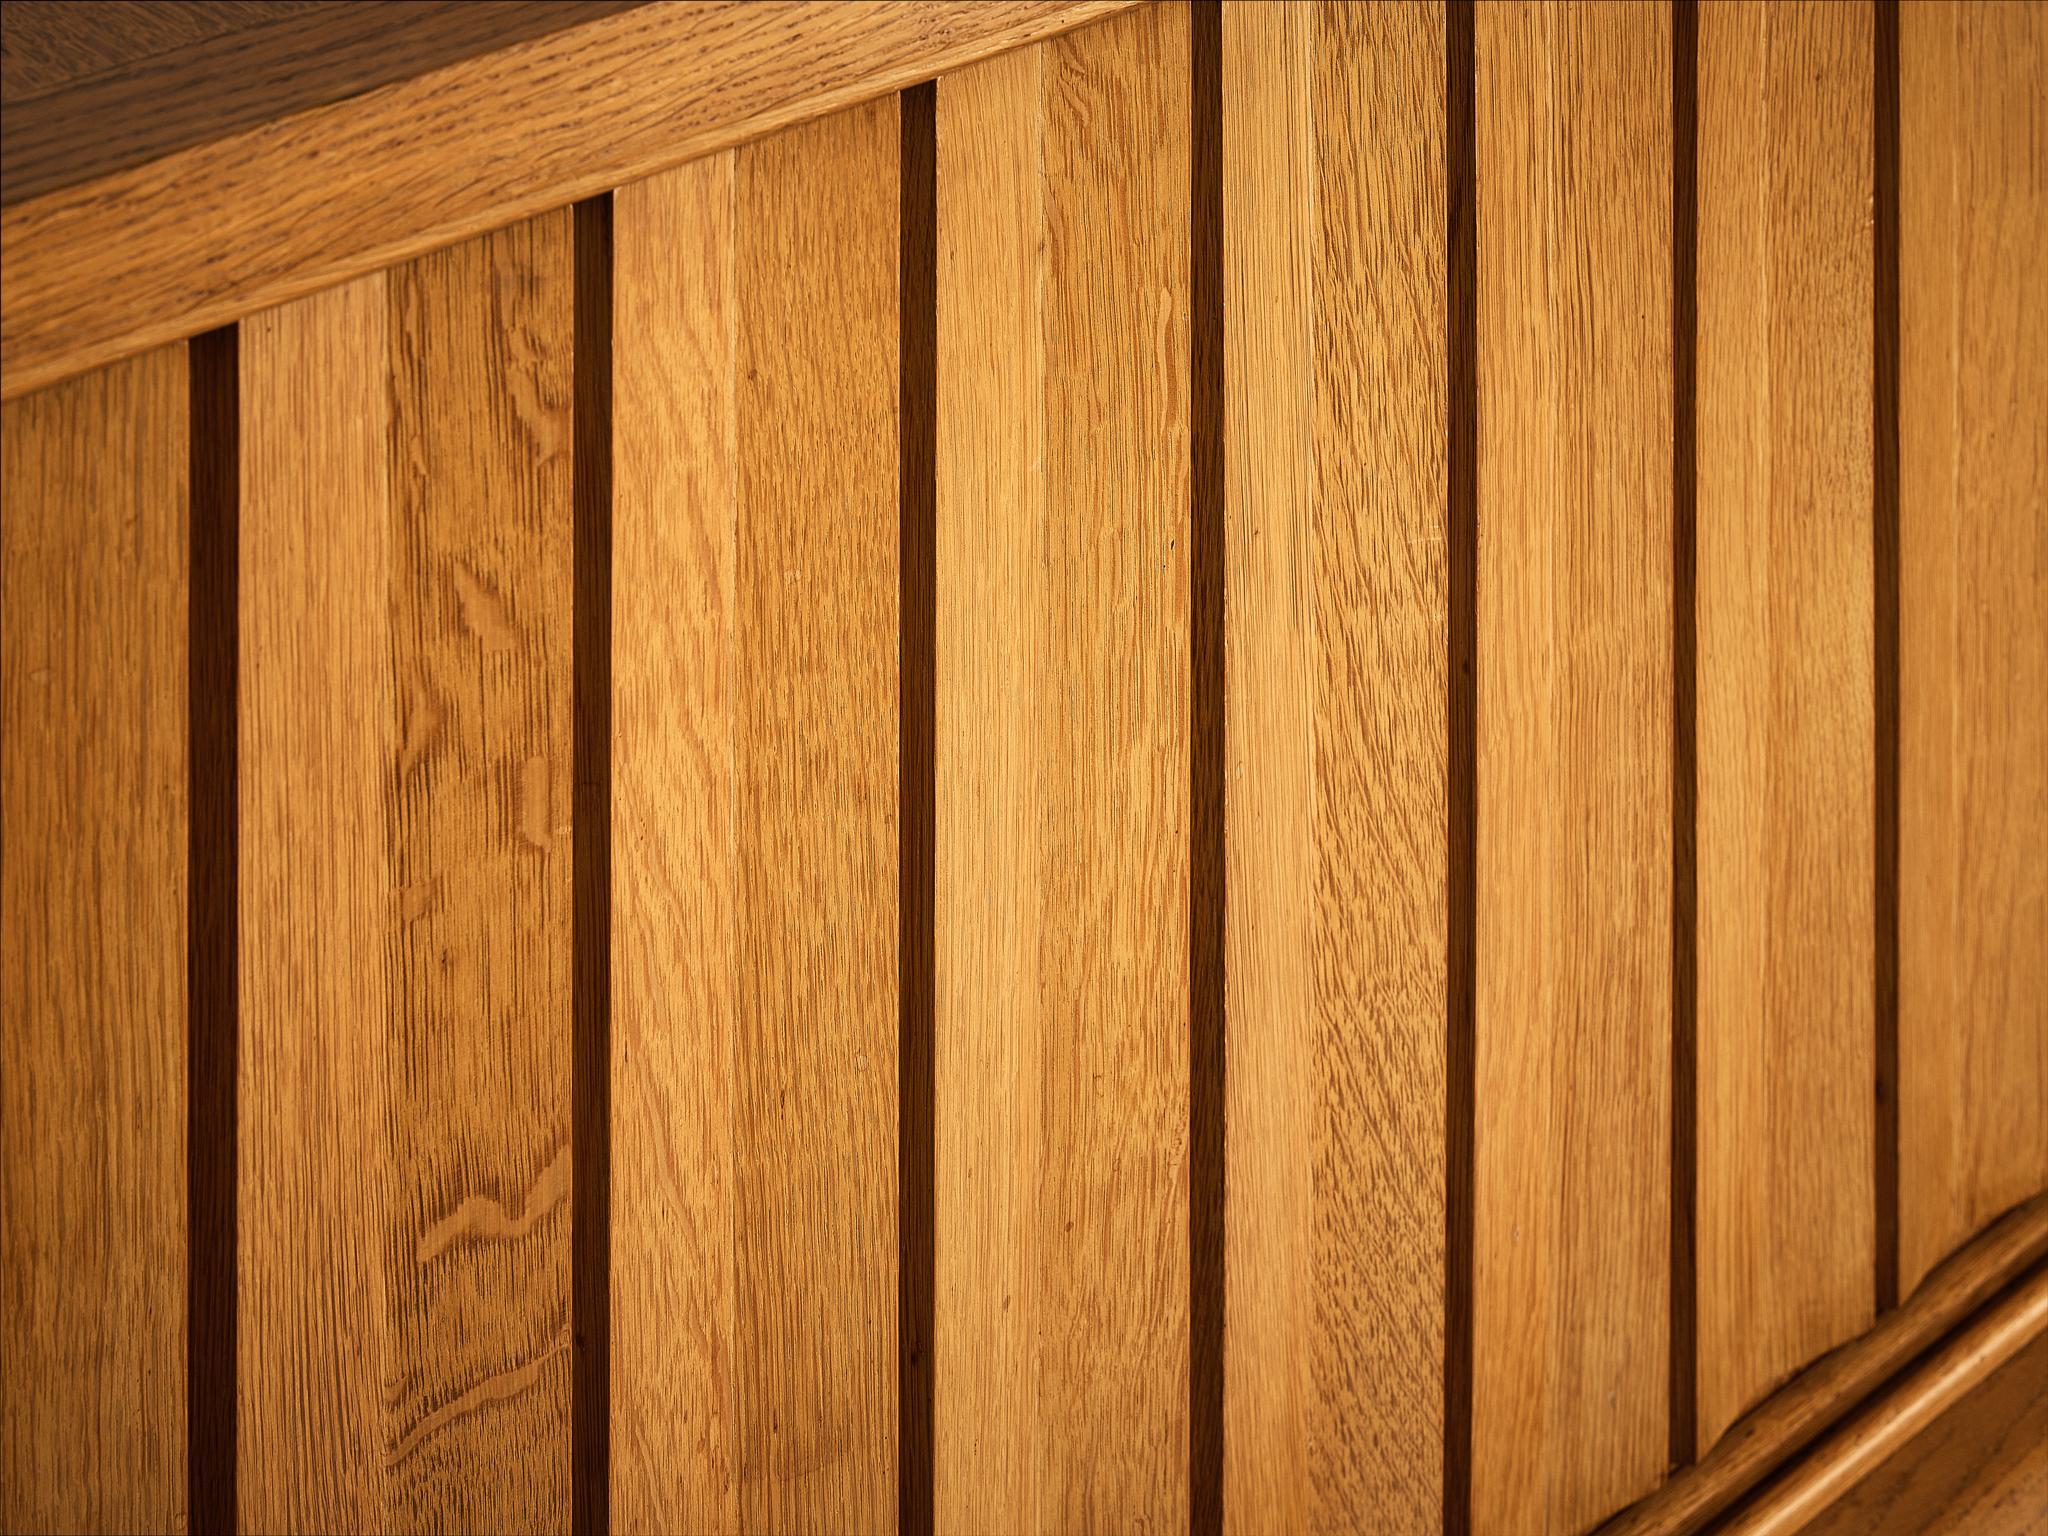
column 1817, row 1399
column 1863, row 1445
column 219, row 230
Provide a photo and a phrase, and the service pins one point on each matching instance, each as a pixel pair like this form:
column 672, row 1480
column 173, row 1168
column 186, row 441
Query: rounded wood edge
column 1769, row 1436
column 206, row 236
column 1863, row 1444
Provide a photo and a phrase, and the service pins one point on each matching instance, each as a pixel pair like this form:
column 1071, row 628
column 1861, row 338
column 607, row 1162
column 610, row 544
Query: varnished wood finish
column 1891, row 1423
column 47, row 45
column 1973, row 621
column 1980, row 1469
column 449, row 828
column 284, row 60
column 93, row 888
column 1062, row 1016
column 1573, row 1029
column 1786, row 1018
column 754, row 1257
column 1793, row 1417
column 236, row 224
column 319, row 750
column 1338, row 817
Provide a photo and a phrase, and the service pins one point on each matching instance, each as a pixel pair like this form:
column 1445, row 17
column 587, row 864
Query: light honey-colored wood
column 1571, row 1262
column 423, row 788
column 1973, row 621
column 754, row 1259
column 234, row 224
column 1787, row 1031
column 94, row 574
column 675, row 945
column 1062, row 885
column 1338, row 818
column 318, row 742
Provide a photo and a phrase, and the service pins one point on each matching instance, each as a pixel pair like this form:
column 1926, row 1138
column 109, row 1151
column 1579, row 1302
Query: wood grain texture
column 1063, row 752
column 319, row 735
column 1892, row 1422
column 1338, row 817
column 1786, row 692
column 447, row 1040
column 94, row 572
column 1573, row 1010
column 755, row 878
column 47, row 45
column 233, row 225
column 1973, row 621
column 1981, row 1469
column 1813, row 1401
column 288, row 59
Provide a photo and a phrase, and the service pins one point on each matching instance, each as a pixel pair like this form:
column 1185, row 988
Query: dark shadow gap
column 1885, row 637
column 591, row 1090
column 1461, row 300
column 213, row 856
column 1684, row 1340
column 1206, row 893
column 917, row 721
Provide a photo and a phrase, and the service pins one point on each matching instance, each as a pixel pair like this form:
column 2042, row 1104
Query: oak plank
column 414, row 771
column 235, row 224
column 755, row 989
column 1786, row 1207
column 1573, row 1009
column 94, row 803
column 989, row 914
column 1973, row 622
column 815, row 737
column 675, row 937
column 1062, row 788
column 1338, row 817
column 319, row 734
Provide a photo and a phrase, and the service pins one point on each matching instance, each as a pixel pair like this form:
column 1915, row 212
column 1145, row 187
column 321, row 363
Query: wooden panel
column 1062, row 948
column 46, row 45
column 94, row 572
column 406, row 759
column 1981, row 1468
column 1794, row 1416
column 237, row 224
column 1973, row 621
column 1787, row 1029
column 1338, row 816
column 251, row 71
column 1573, row 1009
column 318, row 732
column 1892, row 1422
column 755, row 883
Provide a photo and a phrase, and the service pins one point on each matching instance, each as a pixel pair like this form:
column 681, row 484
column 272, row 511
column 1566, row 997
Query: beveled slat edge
column 1768, row 1437
column 219, row 231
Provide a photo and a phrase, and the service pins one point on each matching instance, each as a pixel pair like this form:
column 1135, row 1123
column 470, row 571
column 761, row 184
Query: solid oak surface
column 286, row 206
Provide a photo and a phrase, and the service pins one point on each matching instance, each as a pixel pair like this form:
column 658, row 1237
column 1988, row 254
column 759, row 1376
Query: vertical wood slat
column 1063, row 753
column 1573, row 1009
column 1786, row 688
column 406, row 760
column 755, row 877
column 94, row 574
column 1338, row 816
column 1973, row 622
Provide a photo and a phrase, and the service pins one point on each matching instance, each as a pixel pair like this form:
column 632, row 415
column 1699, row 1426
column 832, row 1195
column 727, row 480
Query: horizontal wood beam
column 276, row 208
